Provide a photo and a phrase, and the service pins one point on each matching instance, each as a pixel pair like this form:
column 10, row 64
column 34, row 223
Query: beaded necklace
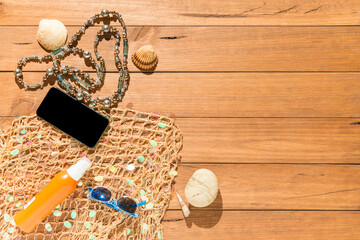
column 85, row 83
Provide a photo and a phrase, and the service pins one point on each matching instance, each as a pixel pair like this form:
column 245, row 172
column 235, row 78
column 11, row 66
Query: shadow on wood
column 206, row 217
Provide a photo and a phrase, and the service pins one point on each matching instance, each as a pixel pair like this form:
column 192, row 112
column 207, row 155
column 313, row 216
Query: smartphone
column 72, row 117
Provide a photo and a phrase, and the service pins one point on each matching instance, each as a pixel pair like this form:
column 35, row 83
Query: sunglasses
column 124, row 204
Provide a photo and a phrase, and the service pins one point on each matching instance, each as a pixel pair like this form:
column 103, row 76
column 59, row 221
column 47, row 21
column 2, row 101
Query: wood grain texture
column 265, row 140
column 214, row 94
column 212, row 48
column 279, row 186
column 184, row 12
column 263, row 225
column 274, row 140
column 265, row 92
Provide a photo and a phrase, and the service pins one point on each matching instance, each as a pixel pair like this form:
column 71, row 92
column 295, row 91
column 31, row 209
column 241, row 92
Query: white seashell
column 202, row 188
column 145, row 57
column 183, row 206
column 52, row 34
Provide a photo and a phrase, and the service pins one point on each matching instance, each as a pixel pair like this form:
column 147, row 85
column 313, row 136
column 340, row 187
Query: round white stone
column 202, row 188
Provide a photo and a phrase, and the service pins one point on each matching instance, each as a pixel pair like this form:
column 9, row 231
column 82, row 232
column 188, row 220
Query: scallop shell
column 202, row 188
column 52, row 34
column 145, row 57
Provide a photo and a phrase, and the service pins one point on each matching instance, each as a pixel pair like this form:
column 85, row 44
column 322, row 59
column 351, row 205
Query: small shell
column 52, row 34
column 141, row 159
column 92, row 214
column 149, row 205
column 145, row 226
column 112, row 169
column 57, row 213
column 87, row 224
column 48, row 227
column 99, row 178
column 73, row 214
column 7, row 217
column 145, row 57
column 67, row 224
column 183, row 206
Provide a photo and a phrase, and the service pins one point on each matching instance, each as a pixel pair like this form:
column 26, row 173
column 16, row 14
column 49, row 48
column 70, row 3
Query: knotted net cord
column 33, row 152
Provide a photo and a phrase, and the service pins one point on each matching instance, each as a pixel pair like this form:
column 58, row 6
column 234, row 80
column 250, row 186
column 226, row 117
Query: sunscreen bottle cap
column 77, row 170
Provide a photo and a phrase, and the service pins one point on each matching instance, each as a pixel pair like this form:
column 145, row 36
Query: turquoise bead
column 63, row 82
column 79, row 79
column 120, row 83
column 84, row 84
column 125, row 49
column 56, row 51
column 122, row 21
column 101, row 70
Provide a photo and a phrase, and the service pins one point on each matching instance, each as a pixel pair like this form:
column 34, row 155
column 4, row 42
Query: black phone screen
column 72, row 117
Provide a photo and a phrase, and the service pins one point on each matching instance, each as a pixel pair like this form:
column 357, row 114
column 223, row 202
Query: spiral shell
column 52, row 34
column 145, row 57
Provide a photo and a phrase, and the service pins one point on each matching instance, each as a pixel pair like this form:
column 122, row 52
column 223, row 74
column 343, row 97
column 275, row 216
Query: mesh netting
column 33, row 152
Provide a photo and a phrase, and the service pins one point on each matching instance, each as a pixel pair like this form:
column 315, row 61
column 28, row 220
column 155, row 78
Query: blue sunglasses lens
column 101, row 193
column 127, row 204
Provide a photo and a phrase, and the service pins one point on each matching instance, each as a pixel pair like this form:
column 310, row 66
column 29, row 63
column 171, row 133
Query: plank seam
column 184, row 117
column 113, row 71
column 270, row 210
column 210, row 26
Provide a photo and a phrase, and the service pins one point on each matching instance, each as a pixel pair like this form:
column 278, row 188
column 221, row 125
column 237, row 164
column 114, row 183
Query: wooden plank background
column 188, row 12
column 265, row 92
column 209, row 49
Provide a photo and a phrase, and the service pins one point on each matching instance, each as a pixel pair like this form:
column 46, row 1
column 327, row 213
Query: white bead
column 79, row 96
column 18, row 72
column 50, row 71
column 105, row 13
column 86, row 54
column 107, row 103
column 106, row 28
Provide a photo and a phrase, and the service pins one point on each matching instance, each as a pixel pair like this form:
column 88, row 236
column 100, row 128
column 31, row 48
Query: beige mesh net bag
column 137, row 156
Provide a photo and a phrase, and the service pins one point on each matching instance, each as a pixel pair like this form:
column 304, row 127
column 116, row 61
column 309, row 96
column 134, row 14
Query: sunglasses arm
column 140, row 204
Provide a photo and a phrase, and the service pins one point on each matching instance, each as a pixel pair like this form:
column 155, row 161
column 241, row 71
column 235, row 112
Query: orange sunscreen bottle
column 40, row 206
